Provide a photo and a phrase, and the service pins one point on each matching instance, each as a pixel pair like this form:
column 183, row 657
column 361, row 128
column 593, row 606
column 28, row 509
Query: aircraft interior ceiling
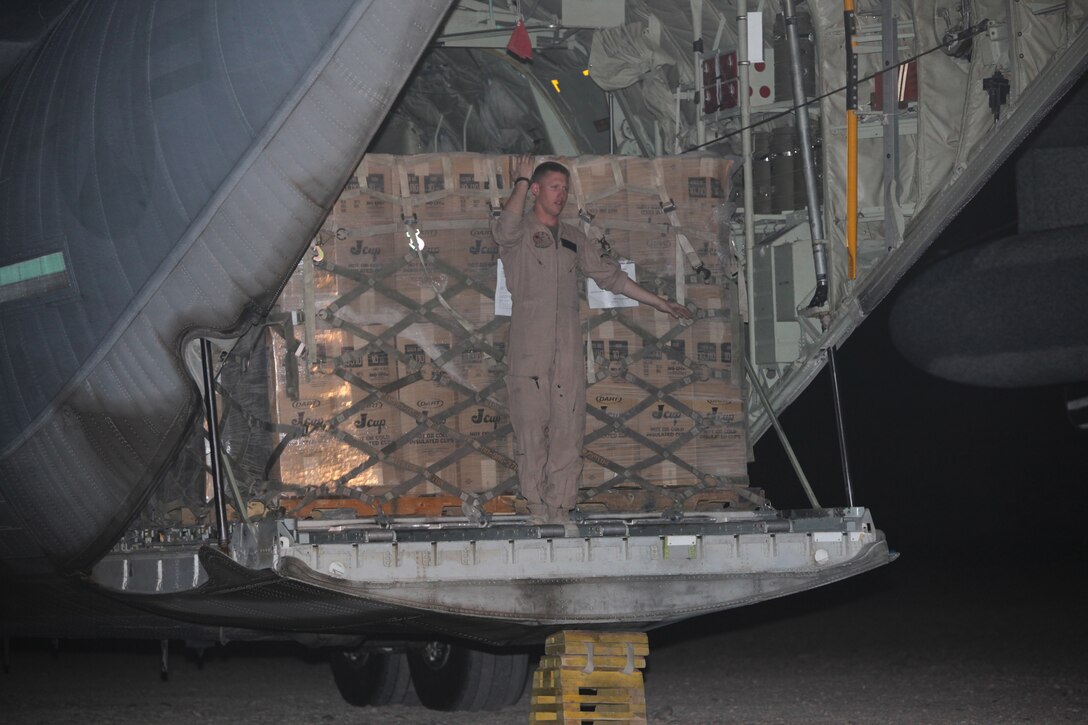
column 477, row 98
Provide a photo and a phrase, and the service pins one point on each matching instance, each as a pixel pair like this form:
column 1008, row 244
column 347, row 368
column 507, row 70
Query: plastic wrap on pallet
column 404, row 396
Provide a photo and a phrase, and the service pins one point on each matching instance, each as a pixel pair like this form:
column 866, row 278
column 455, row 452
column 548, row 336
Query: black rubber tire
column 372, row 678
column 450, row 677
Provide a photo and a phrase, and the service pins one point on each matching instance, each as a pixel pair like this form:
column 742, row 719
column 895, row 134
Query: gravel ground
column 911, row 643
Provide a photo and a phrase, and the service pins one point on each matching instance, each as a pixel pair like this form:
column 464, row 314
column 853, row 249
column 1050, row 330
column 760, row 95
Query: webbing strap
column 592, row 232
column 469, row 396
column 668, row 206
column 405, row 200
column 418, row 244
column 588, row 669
column 495, row 198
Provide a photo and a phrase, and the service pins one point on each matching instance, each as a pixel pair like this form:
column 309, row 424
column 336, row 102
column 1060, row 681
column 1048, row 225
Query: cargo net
column 385, row 375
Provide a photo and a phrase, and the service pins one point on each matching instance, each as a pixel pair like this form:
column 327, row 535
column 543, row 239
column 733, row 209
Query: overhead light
column 586, row 72
column 555, row 83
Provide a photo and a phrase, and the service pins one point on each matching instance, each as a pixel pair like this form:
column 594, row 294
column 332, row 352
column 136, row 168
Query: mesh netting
column 377, row 383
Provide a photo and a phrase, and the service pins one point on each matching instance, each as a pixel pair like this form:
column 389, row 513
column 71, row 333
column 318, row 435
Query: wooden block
column 612, row 696
column 575, row 707
column 631, row 705
column 575, row 679
column 608, row 644
column 587, row 717
column 596, row 679
column 600, row 662
column 575, row 635
column 574, row 714
column 563, row 692
column 605, row 650
column 580, row 717
column 637, row 708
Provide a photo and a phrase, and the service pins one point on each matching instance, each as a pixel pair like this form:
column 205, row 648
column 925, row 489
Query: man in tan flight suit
column 546, row 378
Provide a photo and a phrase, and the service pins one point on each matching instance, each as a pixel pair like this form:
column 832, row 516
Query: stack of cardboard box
column 399, row 383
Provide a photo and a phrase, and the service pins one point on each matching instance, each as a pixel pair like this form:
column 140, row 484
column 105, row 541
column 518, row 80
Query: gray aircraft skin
column 180, row 156
column 181, row 181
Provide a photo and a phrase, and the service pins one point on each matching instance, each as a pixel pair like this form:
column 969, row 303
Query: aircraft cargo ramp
column 508, row 583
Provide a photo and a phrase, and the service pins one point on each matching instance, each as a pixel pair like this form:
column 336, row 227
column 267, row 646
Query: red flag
column 520, row 43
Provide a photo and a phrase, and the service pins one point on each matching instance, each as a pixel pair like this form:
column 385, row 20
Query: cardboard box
column 423, row 347
column 372, row 361
column 478, row 472
column 307, row 397
column 371, row 196
column 375, row 425
column 326, row 288
column 629, row 199
column 362, row 250
column 612, row 344
column 446, row 187
column 614, row 398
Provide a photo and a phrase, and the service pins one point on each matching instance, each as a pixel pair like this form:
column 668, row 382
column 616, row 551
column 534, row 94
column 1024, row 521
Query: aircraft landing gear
column 373, row 677
column 449, row 677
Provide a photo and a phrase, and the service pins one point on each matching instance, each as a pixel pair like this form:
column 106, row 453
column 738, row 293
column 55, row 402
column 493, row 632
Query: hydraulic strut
column 211, row 416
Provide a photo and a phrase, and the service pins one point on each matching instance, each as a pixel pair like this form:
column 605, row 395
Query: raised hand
column 521, row 165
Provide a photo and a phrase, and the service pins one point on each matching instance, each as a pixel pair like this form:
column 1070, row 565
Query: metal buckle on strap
column 605, row 247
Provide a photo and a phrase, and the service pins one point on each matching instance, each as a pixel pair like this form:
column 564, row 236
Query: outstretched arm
column 636, row 291
column 608, row 274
